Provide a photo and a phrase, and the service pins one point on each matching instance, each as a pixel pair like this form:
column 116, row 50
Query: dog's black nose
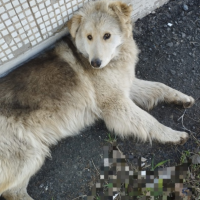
column 96, row 63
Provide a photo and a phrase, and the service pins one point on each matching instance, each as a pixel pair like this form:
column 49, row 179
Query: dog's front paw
column 183, row 137
column 189, row 102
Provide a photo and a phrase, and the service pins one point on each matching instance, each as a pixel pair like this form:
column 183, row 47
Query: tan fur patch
column 122, row 10
column 73, row 24
column 36, row 86
column 3, row 187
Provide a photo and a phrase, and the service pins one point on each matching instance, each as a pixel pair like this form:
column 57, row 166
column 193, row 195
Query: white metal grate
column 26, row 23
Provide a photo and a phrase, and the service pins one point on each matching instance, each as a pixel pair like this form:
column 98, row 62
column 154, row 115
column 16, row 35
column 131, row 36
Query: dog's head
column 99, row 28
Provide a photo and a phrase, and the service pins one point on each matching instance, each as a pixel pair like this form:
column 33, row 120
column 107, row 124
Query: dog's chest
column 112, row 81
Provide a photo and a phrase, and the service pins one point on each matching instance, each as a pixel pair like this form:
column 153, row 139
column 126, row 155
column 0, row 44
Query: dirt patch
column 169, row 40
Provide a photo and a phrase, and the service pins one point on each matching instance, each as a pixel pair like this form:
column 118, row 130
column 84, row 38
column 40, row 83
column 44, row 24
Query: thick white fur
column 111, row 93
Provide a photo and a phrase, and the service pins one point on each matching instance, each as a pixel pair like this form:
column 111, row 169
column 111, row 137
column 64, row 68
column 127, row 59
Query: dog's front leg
column 125, row 118
column 18, row 193
column 147, row 94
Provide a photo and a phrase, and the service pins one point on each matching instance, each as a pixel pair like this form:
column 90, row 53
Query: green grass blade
column 160, row 164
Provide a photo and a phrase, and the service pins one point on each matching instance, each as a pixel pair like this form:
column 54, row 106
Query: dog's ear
column 122, row 10
column 73, row 24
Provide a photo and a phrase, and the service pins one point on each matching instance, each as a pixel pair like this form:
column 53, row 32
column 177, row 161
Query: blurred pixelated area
column 120, row 181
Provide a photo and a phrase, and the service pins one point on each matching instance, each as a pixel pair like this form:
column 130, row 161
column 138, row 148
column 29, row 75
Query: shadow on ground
column 169, row 54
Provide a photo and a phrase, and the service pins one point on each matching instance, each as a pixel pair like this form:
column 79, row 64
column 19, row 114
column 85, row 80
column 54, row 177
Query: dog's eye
column 106, row 36
column 89, row 37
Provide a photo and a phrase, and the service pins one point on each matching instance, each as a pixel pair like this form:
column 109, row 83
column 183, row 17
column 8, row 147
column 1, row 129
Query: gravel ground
column 169, row 40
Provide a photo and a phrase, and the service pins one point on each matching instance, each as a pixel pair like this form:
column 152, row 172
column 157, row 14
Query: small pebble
column 143, row 159
column 183, row 35
column 170, row 24
column 185, row 7
column 172, row 72
column 170, row 44
column 142, row 164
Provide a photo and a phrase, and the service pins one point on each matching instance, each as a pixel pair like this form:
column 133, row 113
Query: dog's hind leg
column 125, row 118
column 147, row 94
column 18, row 193
column 17, row 173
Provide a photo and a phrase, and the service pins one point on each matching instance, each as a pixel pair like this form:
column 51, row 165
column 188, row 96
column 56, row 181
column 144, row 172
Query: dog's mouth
column 97, row 67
